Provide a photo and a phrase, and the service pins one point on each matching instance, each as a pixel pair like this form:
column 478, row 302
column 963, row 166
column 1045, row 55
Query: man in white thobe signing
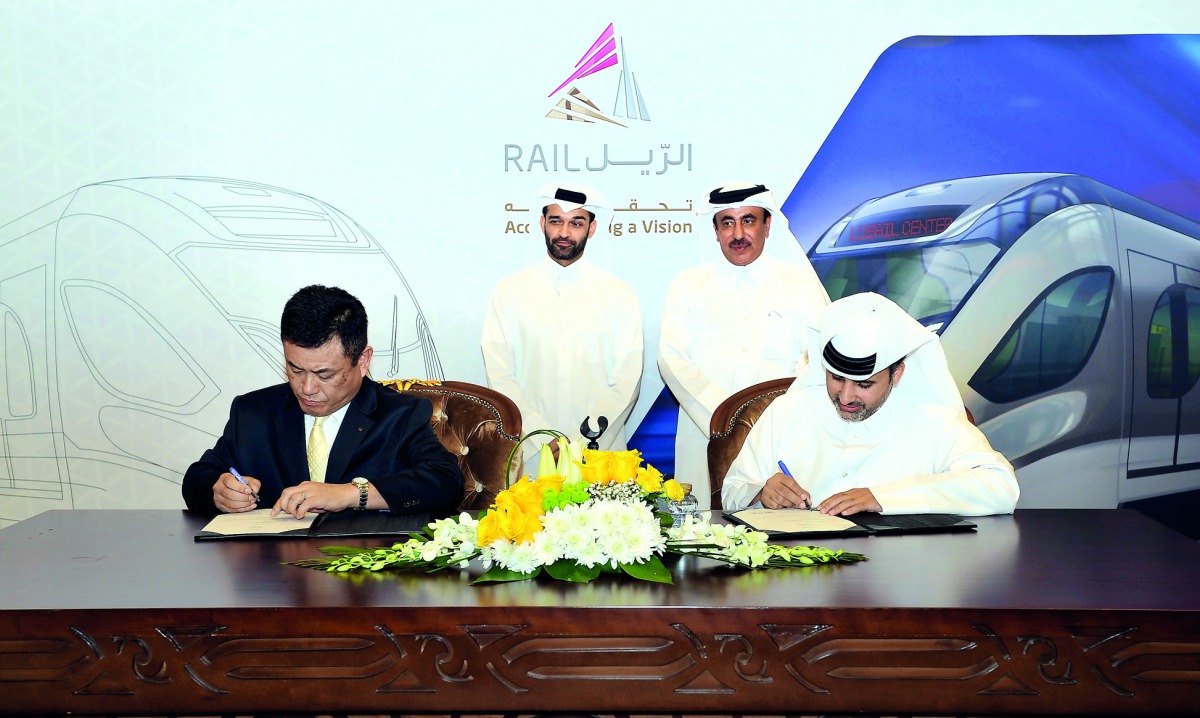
column 733, row 322
column 563, row 338
column 874, row 423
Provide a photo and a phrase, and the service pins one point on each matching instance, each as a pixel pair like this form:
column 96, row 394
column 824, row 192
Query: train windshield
column 928, row 257
column 928, row 282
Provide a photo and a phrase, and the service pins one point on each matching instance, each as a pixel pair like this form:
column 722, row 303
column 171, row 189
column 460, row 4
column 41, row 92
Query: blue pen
column 783, row 467
column 238, row 476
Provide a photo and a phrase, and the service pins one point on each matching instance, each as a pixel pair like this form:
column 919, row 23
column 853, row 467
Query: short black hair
column 766, row 213
column 316, row 314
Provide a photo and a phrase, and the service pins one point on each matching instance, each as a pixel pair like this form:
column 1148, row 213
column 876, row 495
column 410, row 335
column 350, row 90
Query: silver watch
column 362, row 485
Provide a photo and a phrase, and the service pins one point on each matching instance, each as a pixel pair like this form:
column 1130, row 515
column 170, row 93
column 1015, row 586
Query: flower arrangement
column 591, row 512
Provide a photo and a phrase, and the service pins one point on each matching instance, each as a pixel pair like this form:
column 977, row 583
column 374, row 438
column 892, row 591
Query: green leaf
column 317, row 563
column 567, row 570
column 342, row 550
column 497, row 574
column 652, row 570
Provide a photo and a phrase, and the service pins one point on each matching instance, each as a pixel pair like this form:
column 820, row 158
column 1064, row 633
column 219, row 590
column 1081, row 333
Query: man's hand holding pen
column 783, row 492
column 234, row 493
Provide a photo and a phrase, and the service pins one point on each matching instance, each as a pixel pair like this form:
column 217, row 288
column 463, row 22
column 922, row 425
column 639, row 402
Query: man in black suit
column 368, row 447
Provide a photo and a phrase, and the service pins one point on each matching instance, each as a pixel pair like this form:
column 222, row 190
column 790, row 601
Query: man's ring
column 303, row 498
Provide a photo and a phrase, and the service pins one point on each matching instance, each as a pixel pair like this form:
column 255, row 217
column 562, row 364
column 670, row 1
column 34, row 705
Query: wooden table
column 1047, row 611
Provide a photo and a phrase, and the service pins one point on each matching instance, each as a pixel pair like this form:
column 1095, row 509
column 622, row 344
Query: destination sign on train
column 898, row 225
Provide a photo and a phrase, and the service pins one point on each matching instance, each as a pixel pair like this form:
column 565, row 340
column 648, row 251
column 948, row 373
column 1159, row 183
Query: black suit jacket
column 385, row 437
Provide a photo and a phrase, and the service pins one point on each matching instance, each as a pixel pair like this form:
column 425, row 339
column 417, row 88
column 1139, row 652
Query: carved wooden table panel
column 1045, row 612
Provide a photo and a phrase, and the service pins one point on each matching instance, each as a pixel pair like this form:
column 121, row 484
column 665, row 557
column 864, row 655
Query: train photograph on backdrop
column 1070, row 316
column 133, row 311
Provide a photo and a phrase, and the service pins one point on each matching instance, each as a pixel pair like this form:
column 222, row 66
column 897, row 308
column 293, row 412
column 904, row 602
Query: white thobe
column 565, row 343
column 724, row 328
column 923, row 458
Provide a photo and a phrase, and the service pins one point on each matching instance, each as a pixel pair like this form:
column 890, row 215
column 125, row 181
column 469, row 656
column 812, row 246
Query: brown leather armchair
column 730, row 425
column 478, row 425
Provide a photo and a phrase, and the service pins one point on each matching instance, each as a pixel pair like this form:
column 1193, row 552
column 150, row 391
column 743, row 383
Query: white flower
column 523, row 558
column 592, row 554
column 517, row 557
column 546, row 548
column 603, row 512
column 576, row 539
column 451, row 538
column 647, row 539
column 619, row 548
column 630, row 518
column 557, row 522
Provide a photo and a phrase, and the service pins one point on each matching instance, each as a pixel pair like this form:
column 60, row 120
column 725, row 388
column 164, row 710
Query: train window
column 929, row 283
column 156, row 372
column 1173, row 346
column 1052, row 340
column 16, row 389
column 1016, row 214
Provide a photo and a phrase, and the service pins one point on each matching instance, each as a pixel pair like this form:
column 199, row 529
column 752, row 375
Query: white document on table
column 258, row 522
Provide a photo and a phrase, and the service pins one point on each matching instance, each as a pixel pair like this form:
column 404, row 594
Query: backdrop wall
column 172, row 171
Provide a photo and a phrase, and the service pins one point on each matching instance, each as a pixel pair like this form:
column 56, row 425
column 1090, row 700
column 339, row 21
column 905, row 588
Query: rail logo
column 575, row 106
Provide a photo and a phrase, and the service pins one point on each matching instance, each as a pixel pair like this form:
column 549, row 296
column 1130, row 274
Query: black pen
column 238, row 476
column 783, row 467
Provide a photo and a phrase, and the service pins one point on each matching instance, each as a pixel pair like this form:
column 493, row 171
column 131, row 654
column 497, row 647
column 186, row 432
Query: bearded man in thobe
column 874, row 423
column 563, row 338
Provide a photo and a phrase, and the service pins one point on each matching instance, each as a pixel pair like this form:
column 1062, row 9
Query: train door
column 1164, row 439
column 32, row 476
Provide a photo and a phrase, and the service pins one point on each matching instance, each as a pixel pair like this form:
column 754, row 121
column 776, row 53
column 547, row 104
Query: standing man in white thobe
column 563, row 338
column 732, row 322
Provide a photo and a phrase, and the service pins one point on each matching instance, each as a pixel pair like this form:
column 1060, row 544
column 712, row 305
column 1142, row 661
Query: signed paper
column 793, row 520
column 258, row 522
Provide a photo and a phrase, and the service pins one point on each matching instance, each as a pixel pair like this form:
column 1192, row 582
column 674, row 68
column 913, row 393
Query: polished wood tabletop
column 1045, row 611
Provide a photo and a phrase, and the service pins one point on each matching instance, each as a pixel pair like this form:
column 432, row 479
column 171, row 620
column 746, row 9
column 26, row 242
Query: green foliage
column 496, row 574
column 573, row 571
column 652, row 570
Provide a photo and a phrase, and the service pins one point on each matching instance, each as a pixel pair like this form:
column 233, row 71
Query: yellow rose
column 673, row 489
column 551, row 482
column 595, row 456
column 623, row 465
column 509, row 520
column 650, row 479
column 520, row 527
column 593, row 473
column 527, row 495
column 595, row 468
column 488, row 529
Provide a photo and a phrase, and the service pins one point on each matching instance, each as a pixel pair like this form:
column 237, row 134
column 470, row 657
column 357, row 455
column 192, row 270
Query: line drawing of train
column 133, row 311
column 1070, row 316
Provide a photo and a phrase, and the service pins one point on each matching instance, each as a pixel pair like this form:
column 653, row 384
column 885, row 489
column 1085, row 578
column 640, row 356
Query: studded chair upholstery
column 476, row 424
column 730, row 425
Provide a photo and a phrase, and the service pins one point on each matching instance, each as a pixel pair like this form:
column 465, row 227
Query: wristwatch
column 362, row 485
